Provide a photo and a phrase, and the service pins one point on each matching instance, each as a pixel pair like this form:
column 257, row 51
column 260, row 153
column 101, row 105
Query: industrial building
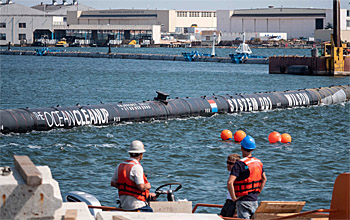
column 79, row 23
column 23, row 25
column 295, row 22
column 20, row 24
column 138, row 24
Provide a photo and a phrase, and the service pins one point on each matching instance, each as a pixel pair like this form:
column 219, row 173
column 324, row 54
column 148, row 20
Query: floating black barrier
column 43, row 119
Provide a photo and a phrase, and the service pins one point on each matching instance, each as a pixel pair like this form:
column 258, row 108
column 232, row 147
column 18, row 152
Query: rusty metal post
column 336, row 23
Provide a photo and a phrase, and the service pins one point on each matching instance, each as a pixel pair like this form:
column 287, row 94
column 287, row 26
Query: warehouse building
column 296, row 22
column 129, row 24
column 20, row 24
column 24, row 25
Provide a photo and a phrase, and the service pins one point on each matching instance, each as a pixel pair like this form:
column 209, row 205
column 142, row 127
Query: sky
column 195, row 4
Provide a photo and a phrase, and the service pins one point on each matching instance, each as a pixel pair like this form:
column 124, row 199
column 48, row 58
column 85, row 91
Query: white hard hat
column 136, row 147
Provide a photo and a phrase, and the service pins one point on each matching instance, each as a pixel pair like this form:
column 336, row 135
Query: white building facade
column 296, row 22
column 169, row 20
column 21, row 24
column 17, row 23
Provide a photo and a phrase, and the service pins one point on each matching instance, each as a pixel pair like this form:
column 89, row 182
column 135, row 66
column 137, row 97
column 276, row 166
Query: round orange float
column 274, row 137
column 239, row 135
column 286, row 138
column 226, row 135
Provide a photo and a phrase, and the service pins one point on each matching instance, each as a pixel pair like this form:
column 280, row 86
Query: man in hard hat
column 131, row 182
column 246, row 181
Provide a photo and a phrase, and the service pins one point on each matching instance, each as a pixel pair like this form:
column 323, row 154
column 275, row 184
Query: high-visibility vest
column 128, row 187
column 253, row 182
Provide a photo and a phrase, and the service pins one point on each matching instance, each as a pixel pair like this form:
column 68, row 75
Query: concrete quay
column 131, row 56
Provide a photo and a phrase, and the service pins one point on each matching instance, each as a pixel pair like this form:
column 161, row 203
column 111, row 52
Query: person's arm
column 263, row 181
column 137, row 174
column 114, row 180
column 114, row 184
column 144, row 186
column 231, row 188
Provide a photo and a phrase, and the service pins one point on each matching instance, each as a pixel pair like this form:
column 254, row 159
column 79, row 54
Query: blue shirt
column 241, row 171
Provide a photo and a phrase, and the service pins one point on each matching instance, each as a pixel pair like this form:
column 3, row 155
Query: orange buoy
column 239, row 135
column 286, row 138
column 274, row 137
column 226, row 135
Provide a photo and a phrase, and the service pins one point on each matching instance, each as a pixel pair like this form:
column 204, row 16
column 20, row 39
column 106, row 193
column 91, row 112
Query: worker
column 229, row 208
column 131, row 182
column 246, row 181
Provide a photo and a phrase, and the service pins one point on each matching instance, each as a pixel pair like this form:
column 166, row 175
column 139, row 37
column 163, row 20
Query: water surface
column 188, row 150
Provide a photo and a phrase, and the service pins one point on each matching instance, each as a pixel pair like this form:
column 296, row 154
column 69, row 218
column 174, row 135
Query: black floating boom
column 43, row 119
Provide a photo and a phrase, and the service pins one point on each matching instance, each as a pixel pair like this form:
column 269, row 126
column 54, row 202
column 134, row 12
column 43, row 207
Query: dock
column 137, row 56
column 298, row 65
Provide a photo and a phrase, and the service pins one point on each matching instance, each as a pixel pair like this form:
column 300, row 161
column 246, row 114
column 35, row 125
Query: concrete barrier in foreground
column 29, row 192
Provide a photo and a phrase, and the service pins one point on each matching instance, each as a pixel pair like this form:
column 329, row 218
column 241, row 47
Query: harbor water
column 188, row 151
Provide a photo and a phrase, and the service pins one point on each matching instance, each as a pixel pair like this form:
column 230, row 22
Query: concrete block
column 28, row 170
column 82, row 211
column 172, row 207
column 155, row 216
column 71, row 214
column 21, row 201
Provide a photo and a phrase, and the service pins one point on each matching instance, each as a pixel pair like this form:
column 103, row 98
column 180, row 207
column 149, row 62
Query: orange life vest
column 128, row 187
column 253, row 182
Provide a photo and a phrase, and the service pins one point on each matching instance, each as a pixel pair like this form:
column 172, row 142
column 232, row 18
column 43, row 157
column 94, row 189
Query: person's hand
column 148, row 186
column 235, row 199
column 153, row 196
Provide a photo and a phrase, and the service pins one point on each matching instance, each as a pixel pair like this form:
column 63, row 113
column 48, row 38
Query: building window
column 347, row 23
column 2, row 25
column 348, row 13
column 181, row 14
column 21, row 36
column 206, row 14
column 2, row 36
column 214, row 14
column 194, row 13
column 319, row 23
column 22, row 25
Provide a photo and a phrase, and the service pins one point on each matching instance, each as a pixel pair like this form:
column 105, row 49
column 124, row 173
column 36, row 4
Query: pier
column 132, row 56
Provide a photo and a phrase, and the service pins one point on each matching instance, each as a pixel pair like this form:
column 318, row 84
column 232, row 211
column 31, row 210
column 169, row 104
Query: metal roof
column 61, row 9
column 280, row 12
column 16, row 9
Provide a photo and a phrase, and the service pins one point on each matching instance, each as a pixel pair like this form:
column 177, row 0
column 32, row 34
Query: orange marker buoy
column 226, row 135
column 286, row 138
column 274, row 137
column 239, row 135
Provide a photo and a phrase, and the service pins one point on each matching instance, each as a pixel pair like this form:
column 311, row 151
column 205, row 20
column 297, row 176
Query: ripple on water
column 187, row 150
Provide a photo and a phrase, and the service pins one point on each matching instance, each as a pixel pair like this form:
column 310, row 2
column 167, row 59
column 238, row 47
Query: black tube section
column 162, row 108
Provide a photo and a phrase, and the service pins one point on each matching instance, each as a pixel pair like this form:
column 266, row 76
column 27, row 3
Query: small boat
column 132, row 44
column 339, row 207
column 194, row 54
column 43, row 51
column 62, row 43
column 243, row 53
